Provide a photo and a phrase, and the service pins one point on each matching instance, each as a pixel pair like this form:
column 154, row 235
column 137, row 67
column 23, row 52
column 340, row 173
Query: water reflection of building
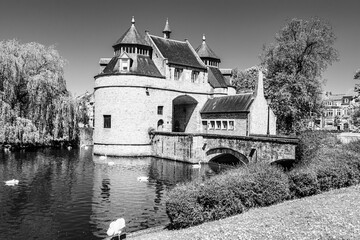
column 117, row 193
column 88, row 100
column 160, row 83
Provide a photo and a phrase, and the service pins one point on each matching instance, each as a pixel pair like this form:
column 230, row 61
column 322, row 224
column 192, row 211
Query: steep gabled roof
column 216, row 79
column 131, row 36
column 228, row 104
column 204, row 51
column 177, row 52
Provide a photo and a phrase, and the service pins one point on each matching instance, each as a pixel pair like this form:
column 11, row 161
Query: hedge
column 324, row 164
column 227, row 194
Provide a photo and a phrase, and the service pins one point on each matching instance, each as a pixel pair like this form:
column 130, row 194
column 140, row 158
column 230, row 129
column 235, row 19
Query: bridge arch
column 286, row 163
column 226, row 156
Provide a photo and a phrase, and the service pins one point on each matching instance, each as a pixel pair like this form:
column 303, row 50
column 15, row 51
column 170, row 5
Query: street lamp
column 268, row 100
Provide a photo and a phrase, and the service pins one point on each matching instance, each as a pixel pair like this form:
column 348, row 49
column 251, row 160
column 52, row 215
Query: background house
column 337, row 112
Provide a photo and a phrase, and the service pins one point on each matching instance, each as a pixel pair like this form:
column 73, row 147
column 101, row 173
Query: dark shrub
column 217, row 200
column 182, row 207
column 303, row 182
column 259, row 185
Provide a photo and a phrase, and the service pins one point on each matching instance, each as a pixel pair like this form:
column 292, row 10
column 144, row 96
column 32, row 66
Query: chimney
column 259, row 91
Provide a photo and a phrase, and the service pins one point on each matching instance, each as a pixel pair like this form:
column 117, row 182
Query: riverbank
column 330, row 215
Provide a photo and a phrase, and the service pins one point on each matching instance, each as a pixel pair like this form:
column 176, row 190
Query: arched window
column 160, row 125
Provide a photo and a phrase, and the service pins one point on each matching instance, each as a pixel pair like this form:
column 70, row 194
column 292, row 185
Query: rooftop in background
column 204, row 51
column 216, row 79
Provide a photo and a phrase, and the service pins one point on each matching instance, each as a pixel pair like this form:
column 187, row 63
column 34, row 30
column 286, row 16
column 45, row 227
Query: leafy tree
column 357, row 74
column 295, row 62
column 35, row 106
column 245, row 80
column 302, row 50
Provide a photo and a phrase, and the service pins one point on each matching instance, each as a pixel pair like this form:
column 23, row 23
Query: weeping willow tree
column 35, row 106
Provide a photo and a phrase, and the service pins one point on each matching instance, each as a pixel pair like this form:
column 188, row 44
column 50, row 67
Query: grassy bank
column 330, row 215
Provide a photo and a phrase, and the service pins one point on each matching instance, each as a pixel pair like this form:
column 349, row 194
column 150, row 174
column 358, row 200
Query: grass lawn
column 331, row 215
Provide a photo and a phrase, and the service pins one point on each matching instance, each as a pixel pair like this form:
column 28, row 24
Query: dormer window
column 124, row 65
column 124, row 62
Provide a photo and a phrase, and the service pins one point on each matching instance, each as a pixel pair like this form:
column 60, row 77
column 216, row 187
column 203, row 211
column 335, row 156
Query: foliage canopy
column 35, row 106
column 294, row 64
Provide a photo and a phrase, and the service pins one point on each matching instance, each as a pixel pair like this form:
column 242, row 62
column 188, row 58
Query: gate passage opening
column 183, row 108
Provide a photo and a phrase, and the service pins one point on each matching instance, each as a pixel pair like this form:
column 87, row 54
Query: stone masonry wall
column 194, row 147
column 132, row 101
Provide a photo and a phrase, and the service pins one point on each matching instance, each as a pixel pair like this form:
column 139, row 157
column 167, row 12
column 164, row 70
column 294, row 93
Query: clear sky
column 84, row 31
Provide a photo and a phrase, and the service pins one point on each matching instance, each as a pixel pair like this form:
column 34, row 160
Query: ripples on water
column 74, row 195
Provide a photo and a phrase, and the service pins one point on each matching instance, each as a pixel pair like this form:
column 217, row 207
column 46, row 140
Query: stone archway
column 183, row 108
column 226, row 156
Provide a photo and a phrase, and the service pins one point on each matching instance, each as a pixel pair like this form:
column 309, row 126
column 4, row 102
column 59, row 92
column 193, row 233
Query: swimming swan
column 116, row 227
column 12, row 182
column 143, row 179
column 198, row 165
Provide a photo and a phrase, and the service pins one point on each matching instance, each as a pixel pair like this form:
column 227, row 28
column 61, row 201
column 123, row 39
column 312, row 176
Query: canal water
column 72, row 194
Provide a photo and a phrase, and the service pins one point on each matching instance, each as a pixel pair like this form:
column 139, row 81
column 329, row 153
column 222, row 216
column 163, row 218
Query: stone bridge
column 193, row 148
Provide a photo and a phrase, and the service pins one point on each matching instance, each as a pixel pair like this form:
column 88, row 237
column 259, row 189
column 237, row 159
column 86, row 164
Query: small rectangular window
column 231, row 125
column 194, row 76
column 204, row 125
column 160, row 110
column 224, row 125
column 212, row 125
column 218, row 124
column 107, row 121
column 177, row 73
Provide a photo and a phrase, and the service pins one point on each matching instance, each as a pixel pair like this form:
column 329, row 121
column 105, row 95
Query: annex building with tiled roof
column 159, row 83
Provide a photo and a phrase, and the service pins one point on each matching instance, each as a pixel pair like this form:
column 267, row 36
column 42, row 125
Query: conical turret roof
column 167, row 27
column 131, row 36
column 204, row 51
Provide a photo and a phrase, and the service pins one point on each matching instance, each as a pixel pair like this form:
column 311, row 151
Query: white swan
column 111, row 163
column 143, row 179
column 198, row 165
column 103, row 157
column 12, row 182
column 116, row 227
